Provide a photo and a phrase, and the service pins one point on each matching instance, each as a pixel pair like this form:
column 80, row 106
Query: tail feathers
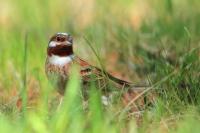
column 139, row 88
column 124, row 83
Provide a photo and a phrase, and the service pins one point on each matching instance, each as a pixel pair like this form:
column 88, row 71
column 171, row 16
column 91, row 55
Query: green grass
column 155, row 41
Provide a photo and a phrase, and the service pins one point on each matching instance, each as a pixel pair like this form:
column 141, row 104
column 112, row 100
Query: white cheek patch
column 52, row 44
column 60, row 61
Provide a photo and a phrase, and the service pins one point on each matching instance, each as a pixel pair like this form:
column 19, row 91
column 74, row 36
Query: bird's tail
column 132, row 86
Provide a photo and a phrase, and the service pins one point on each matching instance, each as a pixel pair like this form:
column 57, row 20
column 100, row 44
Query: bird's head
column 60, row 44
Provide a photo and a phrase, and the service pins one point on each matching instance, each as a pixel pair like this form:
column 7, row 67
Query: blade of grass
column 94, row 51
column 24, row 89
column 70, row 110
column 145, row 91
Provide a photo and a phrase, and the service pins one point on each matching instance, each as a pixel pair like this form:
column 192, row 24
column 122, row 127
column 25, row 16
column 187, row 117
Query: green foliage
column 159, row 42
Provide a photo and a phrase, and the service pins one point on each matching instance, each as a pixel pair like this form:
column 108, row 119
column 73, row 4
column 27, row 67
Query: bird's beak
column 68, row 43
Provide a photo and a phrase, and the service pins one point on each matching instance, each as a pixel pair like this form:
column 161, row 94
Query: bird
column 61, row 57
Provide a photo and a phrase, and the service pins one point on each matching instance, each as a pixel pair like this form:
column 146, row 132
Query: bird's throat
column 60, row 60
column 60, row 50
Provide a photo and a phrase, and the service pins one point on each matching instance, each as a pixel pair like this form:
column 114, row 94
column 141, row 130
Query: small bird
column 60, row 57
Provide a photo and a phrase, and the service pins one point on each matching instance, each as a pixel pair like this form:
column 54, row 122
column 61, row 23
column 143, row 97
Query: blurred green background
column 138, row 40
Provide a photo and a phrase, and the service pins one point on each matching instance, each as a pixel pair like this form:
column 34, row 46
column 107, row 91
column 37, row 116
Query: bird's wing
column 90, row 73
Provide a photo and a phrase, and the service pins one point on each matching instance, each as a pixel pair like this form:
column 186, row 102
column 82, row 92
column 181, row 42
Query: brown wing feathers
column 87, row 69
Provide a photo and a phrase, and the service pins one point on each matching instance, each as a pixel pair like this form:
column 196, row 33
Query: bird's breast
column 58, row 68
column 59, row 61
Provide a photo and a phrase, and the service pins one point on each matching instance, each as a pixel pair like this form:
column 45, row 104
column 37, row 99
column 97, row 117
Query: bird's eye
column 58, row 39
